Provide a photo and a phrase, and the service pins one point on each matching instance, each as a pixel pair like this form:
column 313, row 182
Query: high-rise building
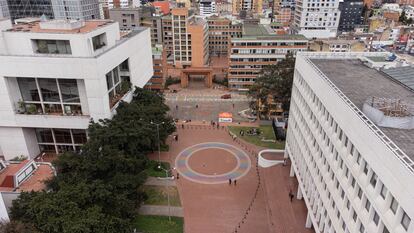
column 351, row 142
column 185, row 38
column 58, row 75
column 351, row 14
column 207, row 8
column 252, row 6
column 50, row 9
column 317, row 19
column 221, row 30
column 254, row 50
column 159, row 60
column 16, row 9
column 76, row 9
column 128, row 18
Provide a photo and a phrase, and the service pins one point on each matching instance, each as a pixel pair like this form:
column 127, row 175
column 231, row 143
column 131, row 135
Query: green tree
column 97, row 190
column 275, row 81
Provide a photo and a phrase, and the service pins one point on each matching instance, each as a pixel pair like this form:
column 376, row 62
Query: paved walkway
column 221, row 207
column 161, row 210
column 159, row 182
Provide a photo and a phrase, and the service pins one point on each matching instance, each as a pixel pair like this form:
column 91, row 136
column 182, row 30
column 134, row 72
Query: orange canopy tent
column 225, row 117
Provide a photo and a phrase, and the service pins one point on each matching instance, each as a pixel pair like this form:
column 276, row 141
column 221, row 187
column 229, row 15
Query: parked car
column 226, row 96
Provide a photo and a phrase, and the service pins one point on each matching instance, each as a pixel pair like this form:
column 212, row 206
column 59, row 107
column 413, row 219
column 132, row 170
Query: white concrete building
column 57, row 75
column 207, row 8
column 317, row 19
column 351, row 142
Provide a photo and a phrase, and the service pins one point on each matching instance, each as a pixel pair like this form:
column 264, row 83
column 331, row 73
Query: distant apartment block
column 350, row 141
column 221, row 30
column 76, row 9
column 351, row 14
column 337, row 45
column 207, row 7
column 128, row 18
column 256, row 49
column 317, row 19
column 251, row 6
column 159, row 58
column 185, row 38
column 58, row 75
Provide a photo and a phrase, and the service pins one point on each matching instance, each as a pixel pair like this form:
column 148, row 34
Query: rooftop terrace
column 359, row 83
column 60, row 26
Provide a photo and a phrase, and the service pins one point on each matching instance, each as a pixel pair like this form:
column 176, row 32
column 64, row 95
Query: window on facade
column 376, row 218
column 385, row 230
column 354, row 216
column 367, row 205
column 117, row 86
column 359, row 193
column 383, row 192
column 405, row 221
column 353, row 182
column 53, row 46
column 99, row 41
column 358, row 160
column 60, row 140
column 361, row 228
column 49, row 96
column 366, row 168
column 373, row 179
column 394, row 205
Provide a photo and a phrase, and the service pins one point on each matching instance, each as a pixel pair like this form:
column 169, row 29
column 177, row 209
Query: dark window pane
column 28, row 89
column 73, row 109
column 116, row 75
column 62, row 136
column 64, row 148
column 49, row 90
column 79, row 136
column 69, row 90
column 47, row 148
column 109, row 82
column 53, row 108
column 44, row 136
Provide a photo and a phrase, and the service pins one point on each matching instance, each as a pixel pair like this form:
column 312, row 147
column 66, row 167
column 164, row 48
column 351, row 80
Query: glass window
column 385, row 230
column 367, row 205
column 47, row 148
column 361, row 228
column 373, row 180
column 28, row 89
column 405, row 221
column 109, row 81
column 63, row 136
column 44, row 135
column 366, row 168
column 375, row 218
column 79, row 136
column 49, row 90
column 394, row 205
column 69, row 90
column 383, row 191
column 53, row 46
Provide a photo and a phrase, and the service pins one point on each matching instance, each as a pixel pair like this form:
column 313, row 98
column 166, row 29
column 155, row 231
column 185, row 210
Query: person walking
column 182, row 126
column 196, row 105
column 176, row 138
column 178, row 175
column 176, row 106
column 229, row 181
column 235, row 182
column 291, row 195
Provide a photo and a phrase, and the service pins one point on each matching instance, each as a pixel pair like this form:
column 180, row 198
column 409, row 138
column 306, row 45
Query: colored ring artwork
column 241, row 169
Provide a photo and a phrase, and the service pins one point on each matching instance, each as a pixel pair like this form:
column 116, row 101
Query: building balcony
column 52, row 121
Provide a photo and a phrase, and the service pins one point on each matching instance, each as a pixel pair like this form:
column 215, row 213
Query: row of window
column 354, row 154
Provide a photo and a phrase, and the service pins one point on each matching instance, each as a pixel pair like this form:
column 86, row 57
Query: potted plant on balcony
column 31, row 109
column 125, row 87
column 22, row 107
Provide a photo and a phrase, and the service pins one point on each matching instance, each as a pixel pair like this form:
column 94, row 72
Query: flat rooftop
column 359, row 83
column 35, row 27
column 36, row 182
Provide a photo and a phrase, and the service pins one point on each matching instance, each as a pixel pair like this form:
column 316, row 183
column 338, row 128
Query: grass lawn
column 153, row 171
column 158, row 195
column 159, row 224
column 267, row 133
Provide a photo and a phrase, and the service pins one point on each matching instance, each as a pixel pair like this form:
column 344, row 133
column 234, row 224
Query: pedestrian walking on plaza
column 235, row 182
column 233, row 105
column 176, row 106
column 178, row 175
column 218, row 125
column 291, row 195
column 182, row 126
column 229, row 181
column 196, row 105
column 176, row 137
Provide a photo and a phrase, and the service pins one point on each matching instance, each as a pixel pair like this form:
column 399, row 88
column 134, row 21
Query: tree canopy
column 96, row 190
column 274, row 81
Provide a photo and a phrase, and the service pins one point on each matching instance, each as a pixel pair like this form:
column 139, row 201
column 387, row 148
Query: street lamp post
column 158, row 135
column 168, row 194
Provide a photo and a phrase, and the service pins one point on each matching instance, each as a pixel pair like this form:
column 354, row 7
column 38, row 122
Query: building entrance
column 197, row 75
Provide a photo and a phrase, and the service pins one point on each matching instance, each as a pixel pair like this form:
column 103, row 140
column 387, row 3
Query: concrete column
column 299, row 195
column 292, row 171
column 308, row 223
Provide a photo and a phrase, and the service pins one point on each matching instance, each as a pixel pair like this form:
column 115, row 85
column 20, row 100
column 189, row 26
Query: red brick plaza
column 259, row 203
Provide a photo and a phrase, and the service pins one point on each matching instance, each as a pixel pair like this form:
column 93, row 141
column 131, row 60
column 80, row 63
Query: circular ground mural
column 212, row 163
